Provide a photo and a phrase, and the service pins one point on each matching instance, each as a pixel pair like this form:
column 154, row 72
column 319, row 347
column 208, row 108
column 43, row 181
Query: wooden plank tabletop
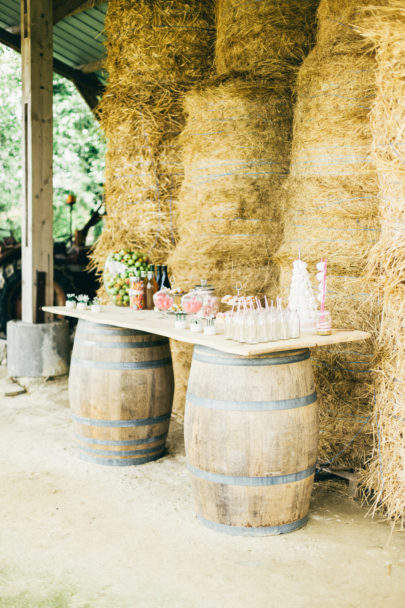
column 157, row 323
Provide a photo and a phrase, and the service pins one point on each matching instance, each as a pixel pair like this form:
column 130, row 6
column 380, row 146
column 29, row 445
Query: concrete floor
column 84, row 536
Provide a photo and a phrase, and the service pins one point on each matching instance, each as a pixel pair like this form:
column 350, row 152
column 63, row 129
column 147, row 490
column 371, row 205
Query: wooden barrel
column 251, row 433
column 121, row 393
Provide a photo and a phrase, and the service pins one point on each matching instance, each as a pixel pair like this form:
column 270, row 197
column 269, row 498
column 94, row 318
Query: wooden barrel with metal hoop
column 251, row 432
column 121, row 393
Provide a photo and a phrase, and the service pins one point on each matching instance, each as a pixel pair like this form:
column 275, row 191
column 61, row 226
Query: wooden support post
column 37, row 213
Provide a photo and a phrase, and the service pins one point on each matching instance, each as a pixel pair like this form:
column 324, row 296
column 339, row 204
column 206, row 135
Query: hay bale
column 384, row 27
column 332, row 187
column 139, row 191
column 338, row 22
column 156, row 50
column 333, row 211
column 269, row 38
column 384, row 478
column 235, row 149
column 167, row 43
column 181, row 355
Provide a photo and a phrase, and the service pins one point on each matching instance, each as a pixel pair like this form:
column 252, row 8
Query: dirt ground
column 79, row 535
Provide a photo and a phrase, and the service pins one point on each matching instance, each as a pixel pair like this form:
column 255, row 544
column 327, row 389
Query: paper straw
column 324, row 286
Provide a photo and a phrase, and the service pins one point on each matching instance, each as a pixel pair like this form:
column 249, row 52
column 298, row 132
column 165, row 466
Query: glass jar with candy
column 163, row 300
column 210, row 304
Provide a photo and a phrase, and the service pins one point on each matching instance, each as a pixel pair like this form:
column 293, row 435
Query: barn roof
column 78, row 38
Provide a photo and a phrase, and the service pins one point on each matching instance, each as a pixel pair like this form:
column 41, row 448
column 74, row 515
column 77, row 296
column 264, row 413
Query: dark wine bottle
column 164, row 281
column 159, row 274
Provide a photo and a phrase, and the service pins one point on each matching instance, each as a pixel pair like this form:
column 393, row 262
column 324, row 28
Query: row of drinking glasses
column 253, row 325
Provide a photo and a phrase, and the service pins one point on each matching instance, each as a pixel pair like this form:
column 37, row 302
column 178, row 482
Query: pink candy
column 163, row 301
column 210, row 307
column 191, row 305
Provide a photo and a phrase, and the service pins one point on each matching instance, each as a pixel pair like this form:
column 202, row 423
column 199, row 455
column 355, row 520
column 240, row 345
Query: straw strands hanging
column 333, row 212
column 384, row 27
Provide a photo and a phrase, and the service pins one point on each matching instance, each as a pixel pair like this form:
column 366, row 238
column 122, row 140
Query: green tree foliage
column 78, row 145
column 10, row 141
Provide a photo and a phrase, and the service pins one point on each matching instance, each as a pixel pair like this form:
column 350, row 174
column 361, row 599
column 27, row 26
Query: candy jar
column 137, row 293
column 162, row 300
column 192, row 302
column 210, row 304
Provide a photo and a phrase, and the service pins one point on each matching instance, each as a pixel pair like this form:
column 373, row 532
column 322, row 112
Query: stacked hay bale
column 236, row 148
column 235, row 151
column 333, row 212
column 385, row 476
column 267, row 39
column 156, row 50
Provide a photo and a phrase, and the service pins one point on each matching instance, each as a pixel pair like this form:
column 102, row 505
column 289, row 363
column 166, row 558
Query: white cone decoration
column 302, row 297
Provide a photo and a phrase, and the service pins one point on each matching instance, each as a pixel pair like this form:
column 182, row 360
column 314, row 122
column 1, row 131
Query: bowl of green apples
column 118, row 269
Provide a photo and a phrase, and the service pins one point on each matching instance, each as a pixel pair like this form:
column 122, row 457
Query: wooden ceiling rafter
column 61, row 10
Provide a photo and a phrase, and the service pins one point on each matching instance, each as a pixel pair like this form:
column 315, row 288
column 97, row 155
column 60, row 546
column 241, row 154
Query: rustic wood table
column 251, row 418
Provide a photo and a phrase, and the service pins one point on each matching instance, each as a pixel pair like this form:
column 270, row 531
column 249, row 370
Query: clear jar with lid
column 192, row 302
column 210, row 304
column 162, row 300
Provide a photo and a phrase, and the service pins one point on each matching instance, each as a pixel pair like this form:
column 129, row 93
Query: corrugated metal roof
column 77, row 39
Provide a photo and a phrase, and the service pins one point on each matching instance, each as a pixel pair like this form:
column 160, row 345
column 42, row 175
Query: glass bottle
column 164, row 280
column 293, row 324
column 154, row 281
column 150, row 291
column 251, row 327
column 261, row 328
column 158, row 275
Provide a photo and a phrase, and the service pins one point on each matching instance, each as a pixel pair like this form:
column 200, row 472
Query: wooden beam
column 11, row 40
column 37, row 216
column 84, row 82
column 64, row 8
column 92, row 66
